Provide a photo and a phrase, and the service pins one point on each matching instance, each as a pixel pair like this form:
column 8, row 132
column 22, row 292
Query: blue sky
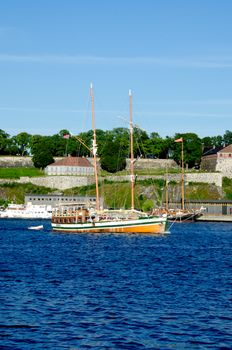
column 175, row 55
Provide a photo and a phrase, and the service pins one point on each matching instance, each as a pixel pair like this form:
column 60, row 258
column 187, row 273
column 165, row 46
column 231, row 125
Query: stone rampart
column 65, row 182
column 224, row 165
column 141, row 163
column 209, row 163
column 209, row 178
column 15, row 162
column 18, row 161
column 59, row 182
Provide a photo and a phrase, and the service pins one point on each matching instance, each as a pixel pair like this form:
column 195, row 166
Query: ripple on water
column 116, row 292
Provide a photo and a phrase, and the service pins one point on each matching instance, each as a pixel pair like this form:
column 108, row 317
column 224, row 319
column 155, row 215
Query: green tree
column 112, row 160
column 217, row 141
column 207, row 142
column 22, row 142
column 155, row 146
column 42, row 150
column 42, row 157
column 227, row 137
column 12, row 147
column 192, row 149
column 4, row 139
column 35, row 142
column 140, row 139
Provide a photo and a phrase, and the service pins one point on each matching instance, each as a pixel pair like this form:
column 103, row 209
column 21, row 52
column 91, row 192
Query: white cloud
column 118, row 113
column 216, row 62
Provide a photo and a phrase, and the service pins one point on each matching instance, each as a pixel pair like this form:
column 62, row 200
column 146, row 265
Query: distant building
column 226, row 152
column 71, row 166
column 218, row 159
column 56, row 200
column 224, row 161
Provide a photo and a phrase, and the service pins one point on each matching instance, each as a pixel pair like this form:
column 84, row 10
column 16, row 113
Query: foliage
column 22, row 143
column 112, row 163
column 227, row 137
column 217, row 141
column 15, row 192
column 207, row 142
column 192, row 149
column 144, row 145
column 42, row 156
column 113, row 158
column 201, row 191
column 227, row 187
column 4, row 140
column 16, row 173
column 147, row 205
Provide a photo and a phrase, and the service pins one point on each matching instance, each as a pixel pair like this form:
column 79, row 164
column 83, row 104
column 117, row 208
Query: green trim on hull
column 107, row 226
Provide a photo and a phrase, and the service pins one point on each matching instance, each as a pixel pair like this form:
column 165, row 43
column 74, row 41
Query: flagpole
column 94, row 148
column 166, row 192
column 182, row 177
column 131, row 154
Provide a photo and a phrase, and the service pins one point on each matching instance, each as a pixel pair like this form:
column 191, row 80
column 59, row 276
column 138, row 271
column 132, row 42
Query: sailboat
column 181, row 214
column 98, row 220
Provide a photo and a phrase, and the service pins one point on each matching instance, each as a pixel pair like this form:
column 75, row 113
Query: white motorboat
column 37, row 228
column 28, row 211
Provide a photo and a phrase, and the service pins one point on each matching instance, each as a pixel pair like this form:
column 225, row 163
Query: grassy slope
column 14, row 192
column 16, row 173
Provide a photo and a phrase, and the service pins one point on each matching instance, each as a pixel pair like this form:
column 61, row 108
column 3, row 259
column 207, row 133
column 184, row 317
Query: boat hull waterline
column 148, row 225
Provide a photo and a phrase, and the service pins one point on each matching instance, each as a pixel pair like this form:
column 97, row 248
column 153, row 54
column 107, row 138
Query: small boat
column 37, row 228
column 183, row 215
column 179, row 215
column 97, row 220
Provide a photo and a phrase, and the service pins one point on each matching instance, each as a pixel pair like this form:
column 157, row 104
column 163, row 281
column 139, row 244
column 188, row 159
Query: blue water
column 67, row 291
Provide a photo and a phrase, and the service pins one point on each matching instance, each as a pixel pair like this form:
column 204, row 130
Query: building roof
column 227, row 149
column 73, row 161
column 209, row 156
column 208, row 151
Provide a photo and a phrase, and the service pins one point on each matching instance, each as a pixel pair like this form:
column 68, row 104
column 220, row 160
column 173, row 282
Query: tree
column 217, row 141
column 112, row 160
column 86, row 139
column 207, row 142
column 192, row 149
column 42, row 151
column 227, row 137
column 22, row 142
column 42, row 157
column 140, row 138
column 155, row 146
column 4, row 138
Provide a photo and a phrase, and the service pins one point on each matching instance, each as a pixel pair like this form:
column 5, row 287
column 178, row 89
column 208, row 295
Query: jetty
column 216, row 218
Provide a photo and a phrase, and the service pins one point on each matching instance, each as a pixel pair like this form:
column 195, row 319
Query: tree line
column 113, row 146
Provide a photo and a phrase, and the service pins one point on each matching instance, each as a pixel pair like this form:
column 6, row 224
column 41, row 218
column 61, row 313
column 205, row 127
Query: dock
column 216, row 218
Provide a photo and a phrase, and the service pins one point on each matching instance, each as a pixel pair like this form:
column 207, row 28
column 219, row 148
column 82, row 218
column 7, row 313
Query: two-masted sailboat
column 181, row 214
column 97, row 220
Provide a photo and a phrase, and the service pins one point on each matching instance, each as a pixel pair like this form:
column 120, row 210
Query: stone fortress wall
column 65, row 182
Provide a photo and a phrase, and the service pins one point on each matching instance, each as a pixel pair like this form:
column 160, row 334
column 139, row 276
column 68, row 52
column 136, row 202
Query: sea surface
column 89, row 291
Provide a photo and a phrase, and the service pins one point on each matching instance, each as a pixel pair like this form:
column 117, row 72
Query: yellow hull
column 157, row 227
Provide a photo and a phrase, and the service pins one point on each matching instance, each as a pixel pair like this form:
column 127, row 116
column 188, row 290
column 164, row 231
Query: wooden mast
column 166, row 191
column 94, row 148
column 182, row 175
column 131, row 155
